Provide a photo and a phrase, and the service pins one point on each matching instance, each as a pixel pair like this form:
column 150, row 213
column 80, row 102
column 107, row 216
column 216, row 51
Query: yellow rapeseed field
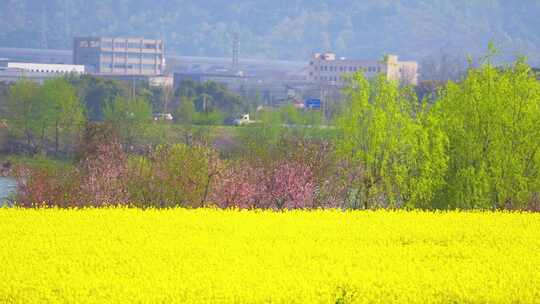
column 213, row 256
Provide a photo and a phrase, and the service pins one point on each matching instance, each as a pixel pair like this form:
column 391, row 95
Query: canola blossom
column 233, row 256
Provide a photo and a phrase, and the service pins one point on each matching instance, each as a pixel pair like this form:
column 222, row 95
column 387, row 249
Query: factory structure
column 327, row 69
column 120, row 56
column 141, row 59
column 130, row 59
column 38, row 72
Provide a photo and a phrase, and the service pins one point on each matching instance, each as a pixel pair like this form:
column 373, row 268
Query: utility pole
column 236, row 51
column 132, row 87
column 67, row 16
column 43, row 29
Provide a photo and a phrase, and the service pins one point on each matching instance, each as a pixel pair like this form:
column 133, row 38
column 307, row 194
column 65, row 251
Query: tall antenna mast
column 236, row 51
column 43, row 30
column 67, row 16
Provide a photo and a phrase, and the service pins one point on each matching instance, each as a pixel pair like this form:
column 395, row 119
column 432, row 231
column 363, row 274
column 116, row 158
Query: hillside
column 282, row 29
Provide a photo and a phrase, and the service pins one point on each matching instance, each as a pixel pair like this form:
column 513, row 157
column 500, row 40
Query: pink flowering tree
column 103, row 176
column 290, row 185
column 239, row 186
column 283, row 185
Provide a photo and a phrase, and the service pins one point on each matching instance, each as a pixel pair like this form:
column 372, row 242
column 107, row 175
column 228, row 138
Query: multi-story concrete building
column 120, row 56
column 39, row 72
column 327, row 69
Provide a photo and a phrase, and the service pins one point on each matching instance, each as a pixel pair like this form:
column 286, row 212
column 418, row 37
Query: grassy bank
column 203, row 256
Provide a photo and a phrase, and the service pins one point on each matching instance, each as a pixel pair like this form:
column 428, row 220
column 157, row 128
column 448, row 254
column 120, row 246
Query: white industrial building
column 43, row 67
column 326, row 68
column 39, row 72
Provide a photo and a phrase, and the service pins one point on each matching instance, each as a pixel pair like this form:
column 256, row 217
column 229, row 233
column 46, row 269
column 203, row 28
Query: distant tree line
column 50, row 118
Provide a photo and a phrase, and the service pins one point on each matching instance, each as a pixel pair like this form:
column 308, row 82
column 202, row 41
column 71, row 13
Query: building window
column 149, row 56
column 149, row 45
column 134, row 45
column 379, row 69
column 120, row 45
column 106, row 55
column 148, row 67
column 106, row 44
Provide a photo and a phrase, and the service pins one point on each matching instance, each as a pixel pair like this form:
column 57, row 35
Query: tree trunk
column 56, row 138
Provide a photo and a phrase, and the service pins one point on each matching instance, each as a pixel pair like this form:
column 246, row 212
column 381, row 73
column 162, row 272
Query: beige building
column 325, row 68
column 120, row 56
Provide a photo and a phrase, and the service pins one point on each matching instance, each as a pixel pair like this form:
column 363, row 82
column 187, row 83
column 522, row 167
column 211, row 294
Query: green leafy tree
column 28, row 114
column 393, row 146
column 491, row 119
column 95, row 93
column 213, row 99
column 66, row 113
column 132, row 118
column 186, row 113
column 177, row 175
column 260, row 140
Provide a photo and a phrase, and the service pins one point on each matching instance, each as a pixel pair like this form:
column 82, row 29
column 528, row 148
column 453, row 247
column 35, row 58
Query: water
column 7, row 188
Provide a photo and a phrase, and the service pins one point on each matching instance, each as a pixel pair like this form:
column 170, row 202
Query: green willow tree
column 492, row 122
column 392, row 144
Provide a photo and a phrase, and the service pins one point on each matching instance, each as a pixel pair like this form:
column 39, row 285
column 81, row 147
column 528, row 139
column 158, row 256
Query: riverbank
column 8, row 188
column 9, row 162
column 6, row 169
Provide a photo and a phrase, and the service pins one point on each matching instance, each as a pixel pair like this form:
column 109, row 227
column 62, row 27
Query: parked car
column 244, row 120
column 163, row 117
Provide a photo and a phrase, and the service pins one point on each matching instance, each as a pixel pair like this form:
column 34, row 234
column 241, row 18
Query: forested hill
column 284, row 29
